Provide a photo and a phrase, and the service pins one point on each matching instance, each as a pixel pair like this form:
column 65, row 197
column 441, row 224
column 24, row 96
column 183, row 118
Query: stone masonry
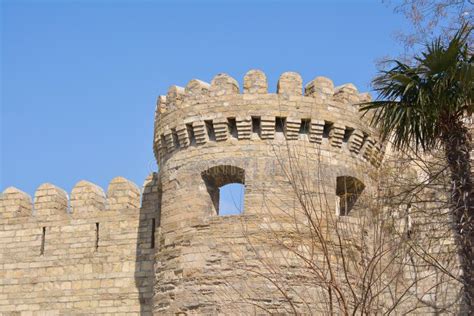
column 164, row 249
column 208, row 135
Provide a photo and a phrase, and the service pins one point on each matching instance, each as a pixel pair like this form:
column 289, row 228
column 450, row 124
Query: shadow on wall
column 149, row 221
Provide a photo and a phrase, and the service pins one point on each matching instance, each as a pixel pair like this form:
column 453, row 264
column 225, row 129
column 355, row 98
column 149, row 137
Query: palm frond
column 416, row 103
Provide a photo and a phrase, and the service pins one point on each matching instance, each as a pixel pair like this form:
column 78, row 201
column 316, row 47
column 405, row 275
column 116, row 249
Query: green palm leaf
column 415, row 102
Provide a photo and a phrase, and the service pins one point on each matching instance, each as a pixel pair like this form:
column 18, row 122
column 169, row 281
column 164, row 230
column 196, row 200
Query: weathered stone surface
column 95, row 258
column 165, row 249
column 255, row 82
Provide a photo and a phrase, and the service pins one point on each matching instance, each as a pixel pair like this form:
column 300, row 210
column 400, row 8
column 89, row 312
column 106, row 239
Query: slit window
column 190, row 131
column 226, row 188
column 348, row 191
column 210, row 130
column 153, row 228
column 304, row 127
column 256, row 125
column 97, row 236
column 43, row 240
column 232, row 126
column 280, row 124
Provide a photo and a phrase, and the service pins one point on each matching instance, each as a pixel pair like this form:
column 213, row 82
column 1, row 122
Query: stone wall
column 87, row 254
column 166, row 250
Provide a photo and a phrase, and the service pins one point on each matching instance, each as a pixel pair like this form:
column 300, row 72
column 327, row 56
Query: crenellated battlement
column 53, row 202
column 87, row 252
column 210, row 114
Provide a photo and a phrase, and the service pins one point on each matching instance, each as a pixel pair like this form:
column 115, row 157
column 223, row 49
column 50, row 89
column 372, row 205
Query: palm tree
column 422, row 106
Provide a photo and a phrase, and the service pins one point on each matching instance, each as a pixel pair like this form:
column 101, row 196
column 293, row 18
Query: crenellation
column 50, row 200
column 87, row 197
column 255, row 82
column 197, row 89
column 223, row 84
column 15, row 203
column 122, row 194
column 320, row 87
column 365, row 97
column 174, row 98
column 346, row 93
column 290, row 83
column 321, row 102
column 70, row 263
column 161, row 106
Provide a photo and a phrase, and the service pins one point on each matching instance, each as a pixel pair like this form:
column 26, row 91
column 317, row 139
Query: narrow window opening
column 96, row 236
column 304, row 127
column 43, row 240
column 226, row 187
column 256, row 125
column 174, row 134
column 232, row 125
column 280, row 124
column 347, row 134
column 408, row 222
column 210, row 130
column 348, row 191
column 327, row 129
column 153, row 228
column 190, row 131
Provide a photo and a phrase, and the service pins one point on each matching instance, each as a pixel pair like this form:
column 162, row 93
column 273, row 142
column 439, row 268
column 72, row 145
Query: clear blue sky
column 79, row 79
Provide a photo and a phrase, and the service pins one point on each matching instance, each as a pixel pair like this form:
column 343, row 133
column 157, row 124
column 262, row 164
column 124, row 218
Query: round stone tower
column 280, row 146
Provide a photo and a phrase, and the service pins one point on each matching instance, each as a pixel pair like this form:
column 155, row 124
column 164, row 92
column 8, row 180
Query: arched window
column 348, row 190
column 226, row 187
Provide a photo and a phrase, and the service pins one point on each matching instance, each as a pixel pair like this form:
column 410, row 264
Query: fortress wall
column 87, row 254
column 165, row 249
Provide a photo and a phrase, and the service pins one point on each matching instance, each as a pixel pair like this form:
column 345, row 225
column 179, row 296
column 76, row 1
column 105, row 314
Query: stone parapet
column 86, row 198
column 202, row 114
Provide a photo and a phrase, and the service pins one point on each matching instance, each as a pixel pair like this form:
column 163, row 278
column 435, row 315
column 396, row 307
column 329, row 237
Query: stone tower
column 209, row 135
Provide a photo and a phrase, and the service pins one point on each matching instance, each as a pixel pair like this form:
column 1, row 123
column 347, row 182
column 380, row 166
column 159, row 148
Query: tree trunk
column 458, row 146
